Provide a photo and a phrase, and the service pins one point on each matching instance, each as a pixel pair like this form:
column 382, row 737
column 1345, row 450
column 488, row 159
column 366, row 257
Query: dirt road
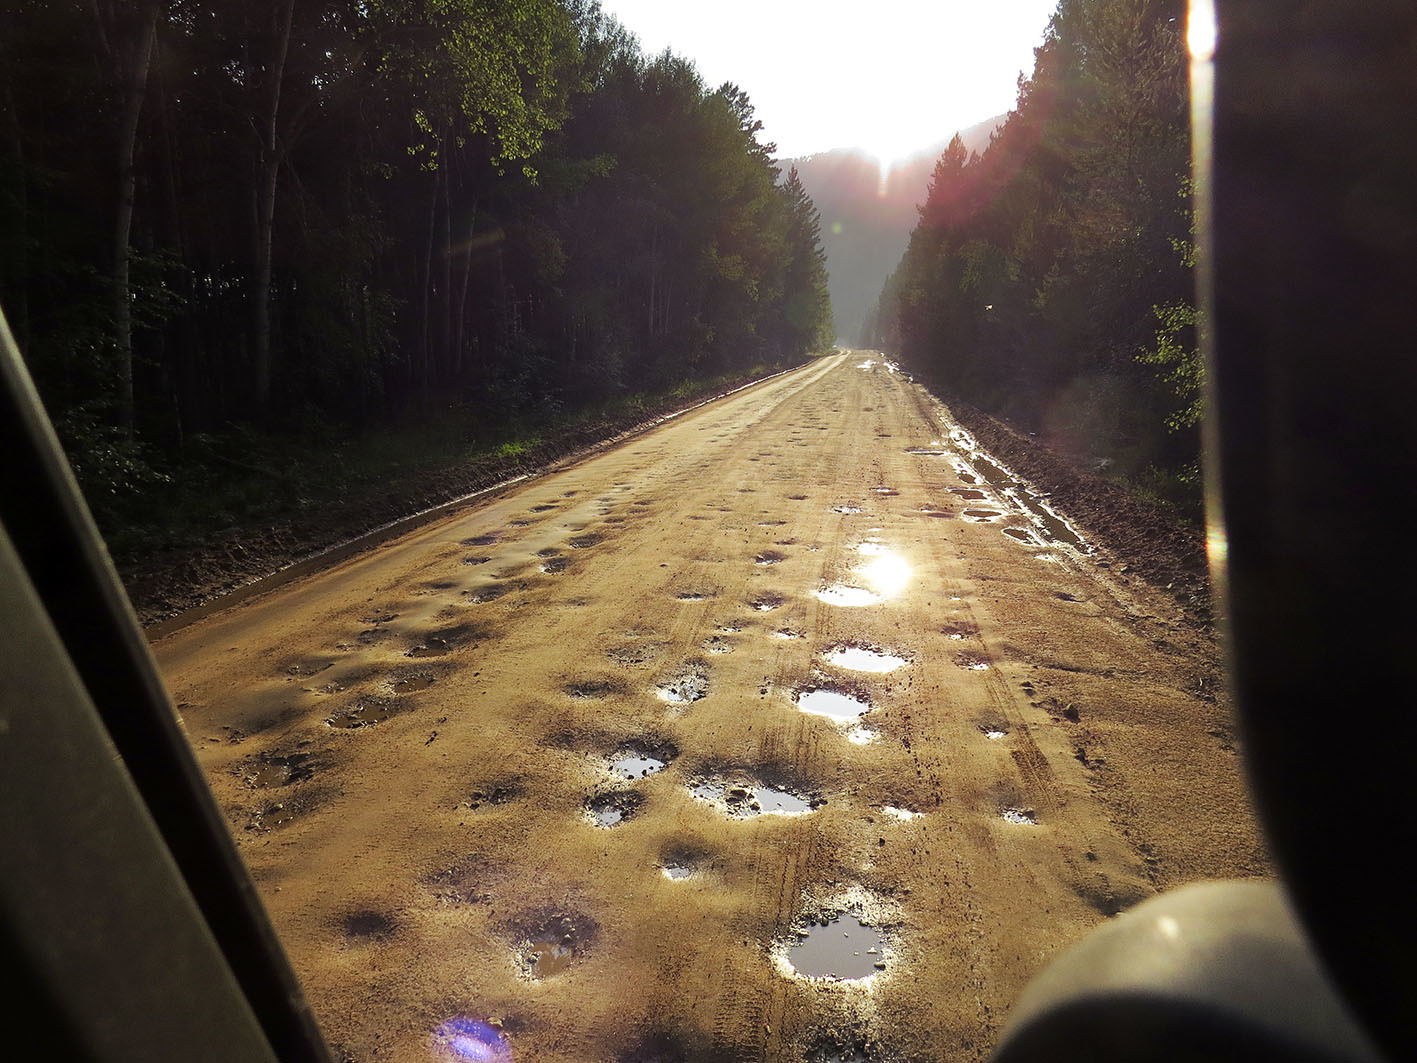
column 580, row 774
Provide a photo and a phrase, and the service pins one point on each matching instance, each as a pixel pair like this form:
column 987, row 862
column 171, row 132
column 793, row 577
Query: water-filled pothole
column 835, row 704
column 766, row 603
column 613, row 808
column 366, row 712
column 844, row 594
column 972, row 494
column 718, row 645
column 585, row 542
column 594, row 689
column 633, row 763
column 1022, row 535
column 471, row 1039
column 846, row 509
column 554, row 946
column 1020, row 815
column 476, row 559
column 482, row 540
column 743, row 800
column 838, row 946
column 983, row 516
column 554, row 566
column 676, row 872
column 863, row 659
column 770, row 557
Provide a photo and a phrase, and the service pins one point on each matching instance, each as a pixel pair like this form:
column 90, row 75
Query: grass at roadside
column 243, row 477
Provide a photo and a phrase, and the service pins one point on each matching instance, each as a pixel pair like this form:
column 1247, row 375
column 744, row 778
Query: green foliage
column 1034, row 283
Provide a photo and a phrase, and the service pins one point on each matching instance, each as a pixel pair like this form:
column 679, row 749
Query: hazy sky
column 889, row 76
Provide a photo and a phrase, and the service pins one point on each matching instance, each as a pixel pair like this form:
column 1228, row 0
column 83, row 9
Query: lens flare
column 1201, row 31
column 472, row 1040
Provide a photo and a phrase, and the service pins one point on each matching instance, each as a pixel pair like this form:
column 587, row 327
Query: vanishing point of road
column 580, row 772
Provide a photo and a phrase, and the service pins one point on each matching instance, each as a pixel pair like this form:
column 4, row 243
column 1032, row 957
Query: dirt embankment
column 1147, row 539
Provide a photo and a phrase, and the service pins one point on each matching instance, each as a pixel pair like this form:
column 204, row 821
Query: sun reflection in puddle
column 844, row 594
column 471, row 1039
column 860, row 659
column 888, row 574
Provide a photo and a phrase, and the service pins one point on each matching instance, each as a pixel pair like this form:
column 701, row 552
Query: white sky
column 888, row 76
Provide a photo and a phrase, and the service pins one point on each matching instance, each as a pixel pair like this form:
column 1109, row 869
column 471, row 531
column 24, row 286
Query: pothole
column 834, row 704
column 838, row 946
column 636, row 763
column 366, row 712
column 844, row 594
column 849, row 510
column 488, row 592
column 766, row 603
column 717, row 645
column 994, row 733
column 476, row 559
column 613, row 808
column 445, row 640
column 1022, row 535
column 686, row 687
column 693, row 596
column 971, row 494
column 862, row 736
column 905, row 815
column 972, row 663
column 633, row 653
column 676, row 872
column 1020, row 815
column 770, row 557
column 369, row 926
column 270, row 770
column 497, row 793
column 593, row 689
column 482, row 540
column 585, row 542
column 983, row 516
column 786, row 633
column 886, row 492
column 863, row 659
column 743, row 800
column 551, row 948
column 554, row 565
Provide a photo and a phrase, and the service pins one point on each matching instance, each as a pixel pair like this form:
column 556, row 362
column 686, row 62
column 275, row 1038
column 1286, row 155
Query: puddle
column 364, row 713
column 982, row 515
column 766, row 603
column 972, row 494
column 786, row 633
column 846, row 509
column 554, row 565
column 636, row 764
column 886, row 491
column 1021, row 535
column 1020, row 815
column 612, row 809
column 861, row 659
column 995, row 734
column 718, row 645
column 835, row 704
column 1057, row 528
column 682, row 689
column 972, row 663
column 992, row 472
column 277, row 815
column 584, row 542
column 546, row 507
column 742, row 801
column 677, row 872
column 862, row 736
column 845, row 595
column 769, row 557
column 271, row 771
column 553, row 947
column 471, row 1039
column 887, row 574
column 476, row 559
column 693, row 596
column 967, row 477
column 927, row 451
column 840, row 947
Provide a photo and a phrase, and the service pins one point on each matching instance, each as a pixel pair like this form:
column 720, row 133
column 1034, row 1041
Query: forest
column 1049, row 280
column 226, row 222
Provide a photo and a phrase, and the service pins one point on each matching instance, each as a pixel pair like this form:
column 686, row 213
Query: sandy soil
column 417, row 749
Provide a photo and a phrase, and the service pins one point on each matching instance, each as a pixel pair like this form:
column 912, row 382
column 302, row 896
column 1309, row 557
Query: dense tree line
column 271, row 212
column 1049, row 279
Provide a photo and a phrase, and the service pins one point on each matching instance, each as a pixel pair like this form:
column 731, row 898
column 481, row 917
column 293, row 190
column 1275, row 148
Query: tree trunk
column 269, row 171
column 131, row 69
column 461, row 319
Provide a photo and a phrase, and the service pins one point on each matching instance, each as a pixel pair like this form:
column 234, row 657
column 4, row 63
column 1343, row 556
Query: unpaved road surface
column 579, row 774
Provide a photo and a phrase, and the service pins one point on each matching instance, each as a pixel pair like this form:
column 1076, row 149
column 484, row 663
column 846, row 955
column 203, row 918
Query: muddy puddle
column 676, row 872
column 983, row 516
column 770, row 557
column 1025, row 816
column 833, row 704
column 553, row 947
column 743, row 800
column 766, row 603
column 366, row 712
column 863, row 659
column 848, row 510
column 838, row 946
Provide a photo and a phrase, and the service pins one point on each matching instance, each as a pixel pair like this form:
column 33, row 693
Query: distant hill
column 866, row 223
